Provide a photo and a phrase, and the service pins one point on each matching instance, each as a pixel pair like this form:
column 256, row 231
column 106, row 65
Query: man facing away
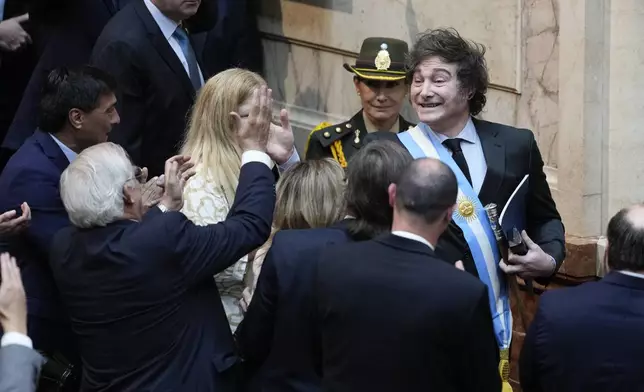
column 395, row 317
column 589, row 338
column 147, row 48
column 277, row 336
column 138, row 287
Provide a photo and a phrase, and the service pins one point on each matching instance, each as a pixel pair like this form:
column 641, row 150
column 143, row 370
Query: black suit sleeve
column 120, row 60
column 255, row 333
column 481, row 362
column 544, row 222
column 207, row 250
column 528, row 370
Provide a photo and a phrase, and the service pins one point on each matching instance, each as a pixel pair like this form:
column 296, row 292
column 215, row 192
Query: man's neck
column 452, row 128
column 379, row 125
column 170, row 15
column 66, row 137
column 428, row 232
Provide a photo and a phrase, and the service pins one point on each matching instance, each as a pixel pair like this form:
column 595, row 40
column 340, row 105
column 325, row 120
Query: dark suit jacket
column 234, row 42
column 276, row 336
column 142, row 297
column 19, row 368
column 394, row 317
column 351, row 134
column 32, row 175
column 587, row 338
column 67, row 32
column 155, row 91
column 510, row 154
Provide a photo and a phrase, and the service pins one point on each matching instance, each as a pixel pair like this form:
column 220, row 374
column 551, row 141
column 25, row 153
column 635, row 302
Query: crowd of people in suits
column 161, row 233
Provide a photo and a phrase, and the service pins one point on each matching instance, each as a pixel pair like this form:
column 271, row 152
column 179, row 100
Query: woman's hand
column 281, row 142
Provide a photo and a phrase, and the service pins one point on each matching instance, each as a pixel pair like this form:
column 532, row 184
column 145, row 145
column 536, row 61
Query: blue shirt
column 71, row 155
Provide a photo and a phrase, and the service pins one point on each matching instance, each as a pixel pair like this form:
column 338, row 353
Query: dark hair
column 371, row 171
column 469, row 56
column 427, row 188
column 625, row 242
column 67, row 89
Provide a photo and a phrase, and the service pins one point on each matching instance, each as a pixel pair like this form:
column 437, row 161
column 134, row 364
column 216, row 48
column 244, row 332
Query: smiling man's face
column 436, row 94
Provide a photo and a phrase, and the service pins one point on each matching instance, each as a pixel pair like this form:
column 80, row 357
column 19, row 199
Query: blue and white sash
column 471, row 217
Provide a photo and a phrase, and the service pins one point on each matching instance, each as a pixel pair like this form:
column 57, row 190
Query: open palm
column 281, row 140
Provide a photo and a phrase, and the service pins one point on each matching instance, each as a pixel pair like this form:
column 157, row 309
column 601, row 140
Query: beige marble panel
column 538, row 106
column 494, row 23
column 626, row 137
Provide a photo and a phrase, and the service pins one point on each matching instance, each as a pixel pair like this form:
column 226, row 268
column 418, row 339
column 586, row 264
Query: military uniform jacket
column 342, row 141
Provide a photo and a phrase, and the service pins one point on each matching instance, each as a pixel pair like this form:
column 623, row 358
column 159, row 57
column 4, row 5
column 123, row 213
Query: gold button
column 338, row 130
column 348, row 125
column 326, row 135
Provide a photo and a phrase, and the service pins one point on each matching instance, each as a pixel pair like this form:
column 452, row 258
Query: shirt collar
column 372, row 128
column 167, row 25
column 468, row 133
column 71, row 155
column 413, row 237
column 631, row 273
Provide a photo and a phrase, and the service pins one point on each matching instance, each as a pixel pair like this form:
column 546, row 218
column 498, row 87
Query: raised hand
column 12, row 34
column 10, row 224
column 178, row 170
column 13, row 304
column 253, row 131
column 280, row 140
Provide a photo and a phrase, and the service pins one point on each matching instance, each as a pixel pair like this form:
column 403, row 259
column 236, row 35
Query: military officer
column 380, row 82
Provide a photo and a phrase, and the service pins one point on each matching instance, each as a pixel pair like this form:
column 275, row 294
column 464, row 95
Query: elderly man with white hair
column 138, row 286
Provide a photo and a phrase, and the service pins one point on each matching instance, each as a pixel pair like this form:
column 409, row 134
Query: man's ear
column 392, row 194
column 449, row 213
column 128, row 195
column 76, row 118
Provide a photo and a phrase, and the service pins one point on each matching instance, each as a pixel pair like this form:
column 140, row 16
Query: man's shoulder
column 124, row 29
column 30, row 160
column 506, row 132
column 295, row 240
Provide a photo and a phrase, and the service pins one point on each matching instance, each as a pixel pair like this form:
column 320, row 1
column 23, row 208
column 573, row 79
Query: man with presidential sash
column 448, row 81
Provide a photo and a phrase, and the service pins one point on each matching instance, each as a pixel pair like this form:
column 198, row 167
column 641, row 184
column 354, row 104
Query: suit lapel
column 494, row 151
column 51, row 150
column 162, row 46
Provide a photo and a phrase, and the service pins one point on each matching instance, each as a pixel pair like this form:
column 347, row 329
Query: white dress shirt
column 16, row 338
column 631, row 273
column 168, row 26
column 413, row 237
column 473, row 152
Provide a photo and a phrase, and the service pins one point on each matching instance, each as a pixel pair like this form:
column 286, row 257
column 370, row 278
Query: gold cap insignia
column 383, row 61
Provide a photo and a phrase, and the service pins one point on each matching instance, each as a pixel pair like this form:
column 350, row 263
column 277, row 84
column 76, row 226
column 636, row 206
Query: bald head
column 625, row 236
column 426, row 189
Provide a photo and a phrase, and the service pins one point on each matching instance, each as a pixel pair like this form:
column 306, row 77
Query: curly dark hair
column 447, row 44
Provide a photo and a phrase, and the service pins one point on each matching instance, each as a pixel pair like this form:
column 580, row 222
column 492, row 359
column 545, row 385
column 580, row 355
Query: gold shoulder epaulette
column 321, row 125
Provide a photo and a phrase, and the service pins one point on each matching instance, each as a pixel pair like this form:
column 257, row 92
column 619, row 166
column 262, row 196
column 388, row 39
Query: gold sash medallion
column 504, row 370
column 466, row 209
column 383, row 61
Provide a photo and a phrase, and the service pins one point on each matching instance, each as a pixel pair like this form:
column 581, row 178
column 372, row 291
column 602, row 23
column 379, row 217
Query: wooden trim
column 348, row 53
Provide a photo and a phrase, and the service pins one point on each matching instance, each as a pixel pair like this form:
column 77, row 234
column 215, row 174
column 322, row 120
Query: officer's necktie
column 182, row 37
column 454, row 145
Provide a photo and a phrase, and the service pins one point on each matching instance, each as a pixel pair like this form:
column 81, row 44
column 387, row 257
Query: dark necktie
column 182, row 37
column 454, row 145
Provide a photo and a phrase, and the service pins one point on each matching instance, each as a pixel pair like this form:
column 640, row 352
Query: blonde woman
column 309, row 195
column 222, row 106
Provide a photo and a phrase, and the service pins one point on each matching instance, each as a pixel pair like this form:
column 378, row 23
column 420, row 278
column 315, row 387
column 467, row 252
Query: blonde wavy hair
column 310, row 195
column 211, row 138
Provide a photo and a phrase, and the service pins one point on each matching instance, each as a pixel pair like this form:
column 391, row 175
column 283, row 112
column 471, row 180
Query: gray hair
column 92, row 185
